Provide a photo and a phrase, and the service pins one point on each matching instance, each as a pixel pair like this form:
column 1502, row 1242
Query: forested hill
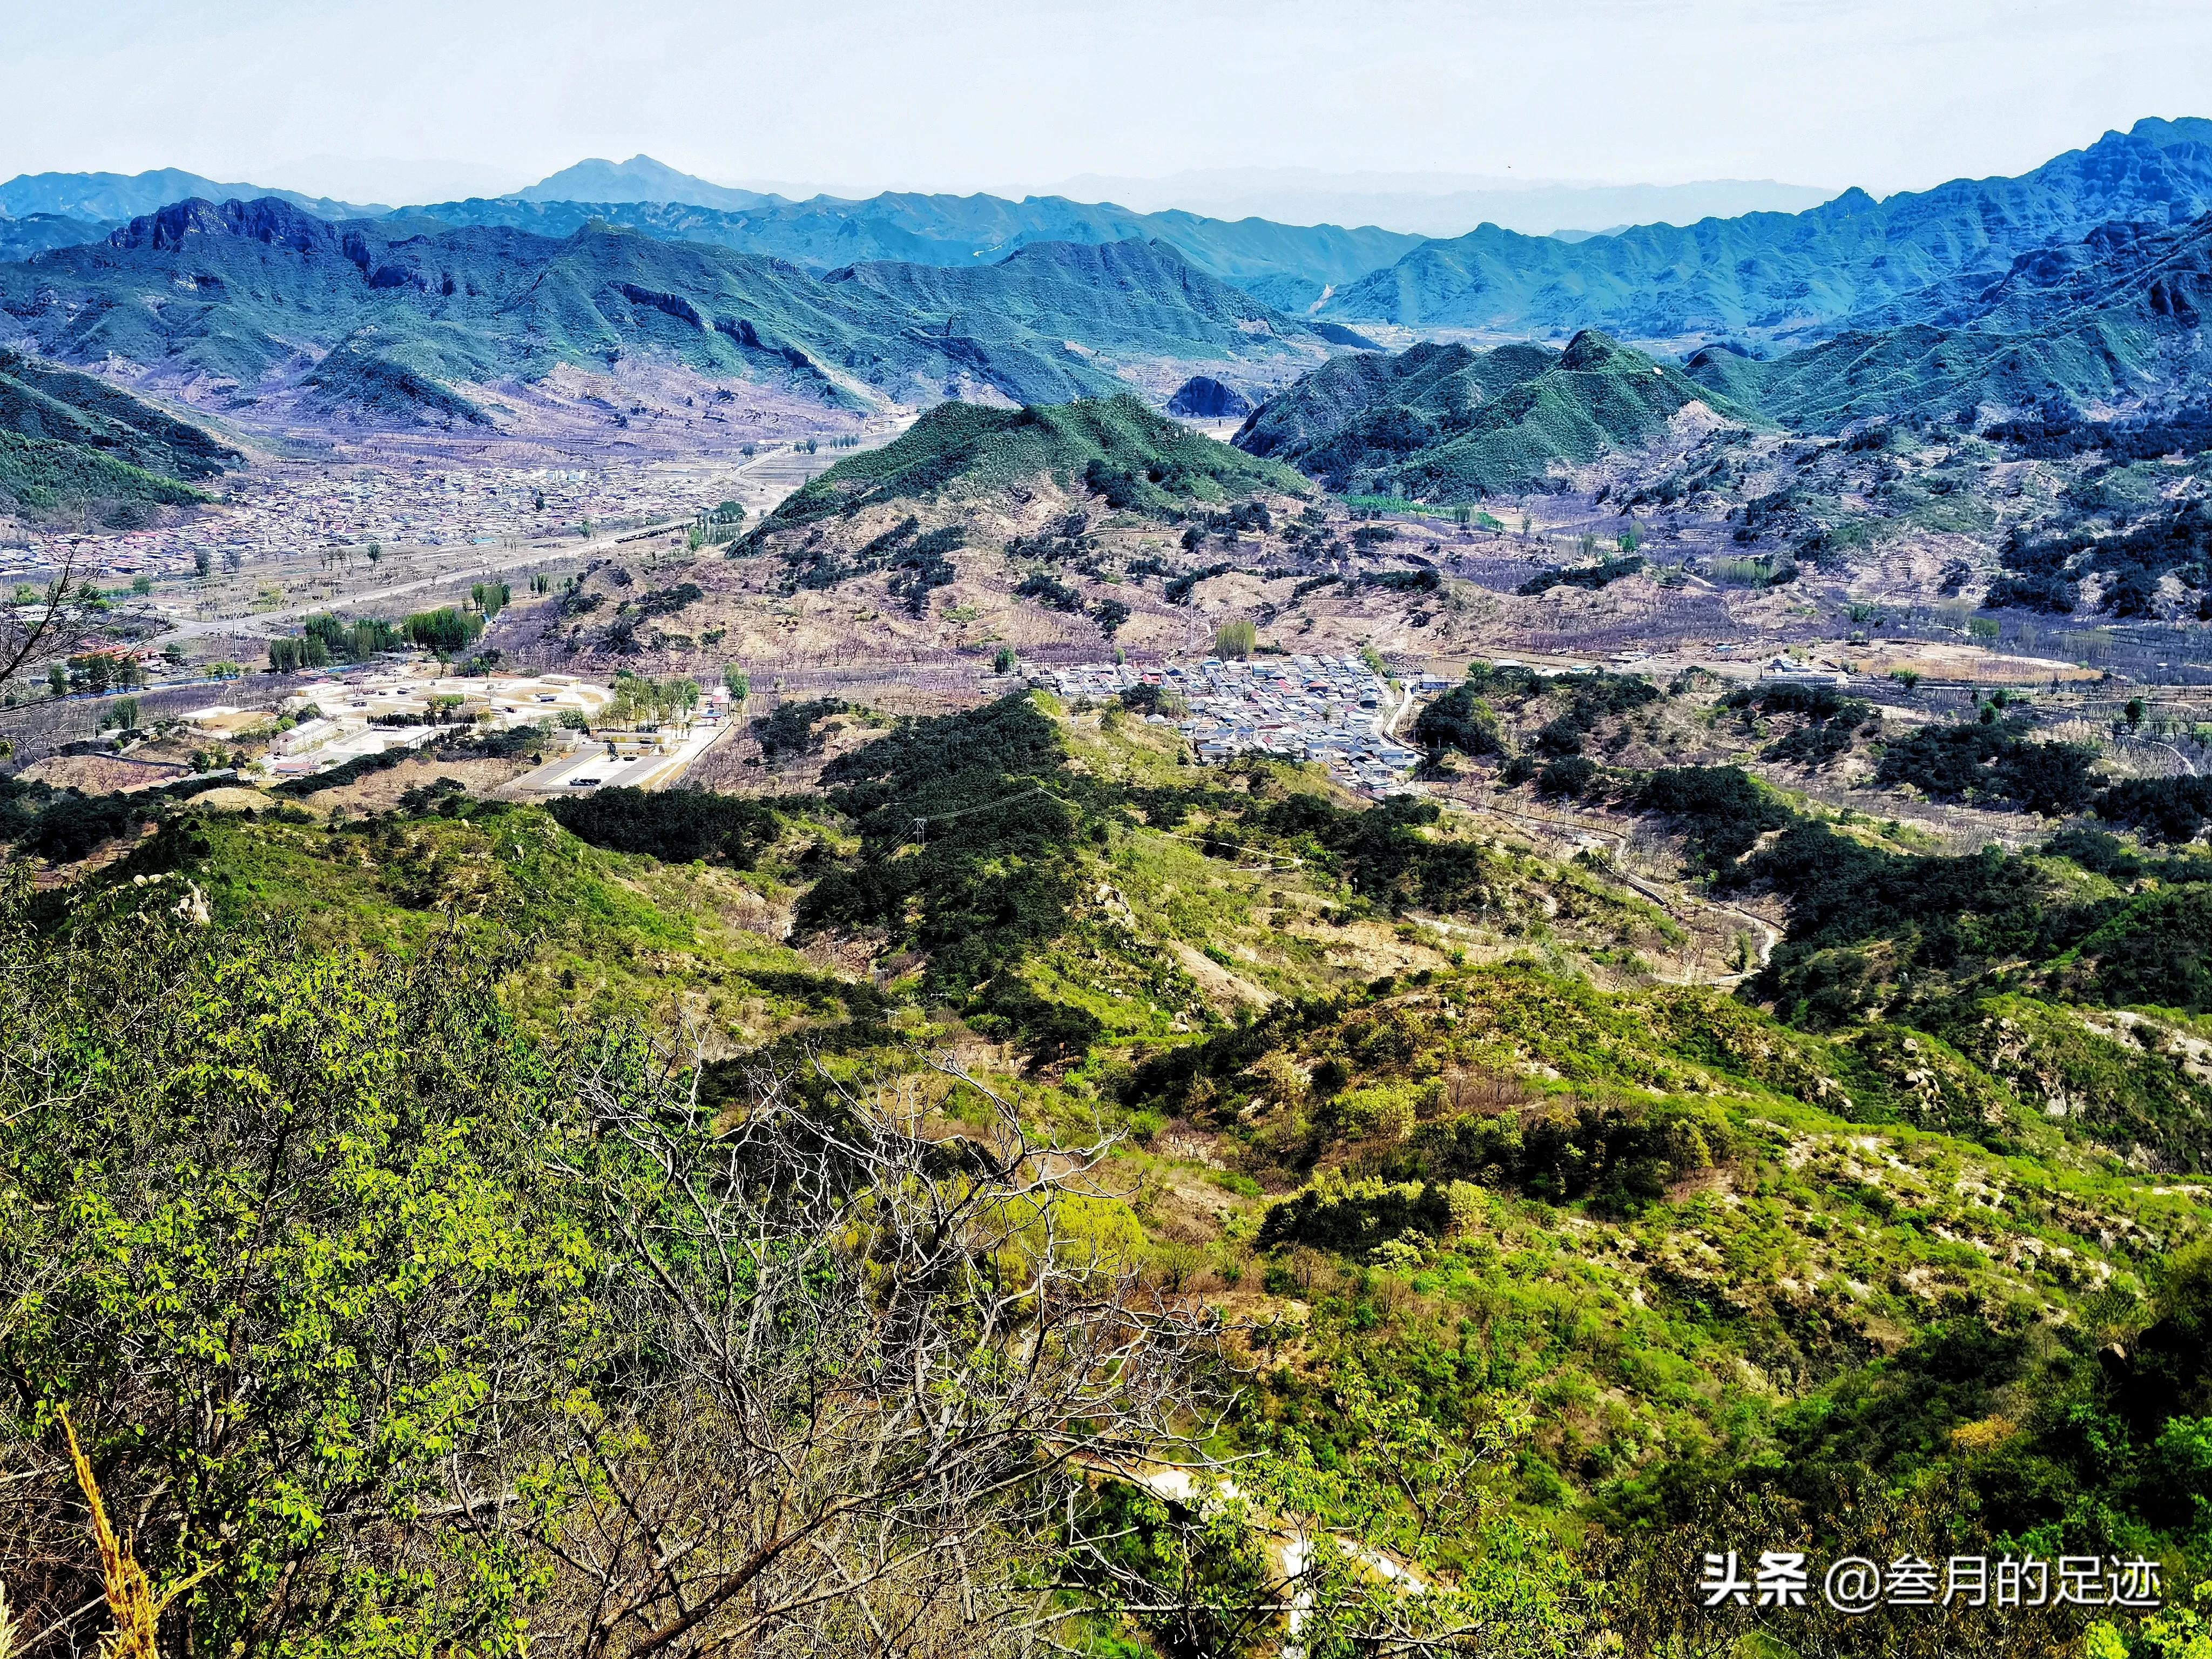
column 1445, row 424
column 416, row 312
column 1789, row 277
column 67, row 440
column 1131, row 456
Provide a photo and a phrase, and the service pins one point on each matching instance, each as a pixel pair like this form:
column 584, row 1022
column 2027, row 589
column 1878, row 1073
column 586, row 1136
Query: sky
column 417, row 100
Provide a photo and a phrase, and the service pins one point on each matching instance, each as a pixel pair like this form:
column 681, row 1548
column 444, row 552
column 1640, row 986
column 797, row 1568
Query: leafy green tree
column 401, row 1332
column 292, row 1251
column 445, row 633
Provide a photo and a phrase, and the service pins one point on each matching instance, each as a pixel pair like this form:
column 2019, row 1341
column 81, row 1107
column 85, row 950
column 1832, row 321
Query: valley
column 876, row 926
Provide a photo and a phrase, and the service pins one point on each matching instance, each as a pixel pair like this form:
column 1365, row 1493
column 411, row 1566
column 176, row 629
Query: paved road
column 261, row 624
column 589, row 767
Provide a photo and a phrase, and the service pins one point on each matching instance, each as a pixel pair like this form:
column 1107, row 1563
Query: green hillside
column 68, row 439
column 1540, row 1272
column 40, row 400
column 40, row 479
column 1138, row 459
column 1445, row 424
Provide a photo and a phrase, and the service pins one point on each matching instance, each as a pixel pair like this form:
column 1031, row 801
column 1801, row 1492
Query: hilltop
column 640, row 179
column 1445, row 424
column 1134, row 458
column 1077, row 527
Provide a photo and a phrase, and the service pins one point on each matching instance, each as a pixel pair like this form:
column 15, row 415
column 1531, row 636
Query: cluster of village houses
column 1336, row 710
column 279, row 513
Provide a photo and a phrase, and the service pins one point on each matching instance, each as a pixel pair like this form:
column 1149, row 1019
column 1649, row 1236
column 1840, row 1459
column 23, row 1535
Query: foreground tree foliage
column 387, row 1329
column 411, row 1334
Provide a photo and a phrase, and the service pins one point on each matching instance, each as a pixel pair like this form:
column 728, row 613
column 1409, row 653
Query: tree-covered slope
column 1446, row 423
column 1788, row 276
column 67, row 440
column 1535, row 1282
column 2113, row 319
column 40, row 479
column 1116, row 445
column 41, row 400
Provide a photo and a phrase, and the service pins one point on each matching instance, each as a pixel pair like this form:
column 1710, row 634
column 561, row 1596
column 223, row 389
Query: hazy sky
column 991, row 93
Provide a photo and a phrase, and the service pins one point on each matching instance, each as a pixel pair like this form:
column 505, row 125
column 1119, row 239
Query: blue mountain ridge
column 1289, row 266
column 1788, row 277
column 103, row 197
column 2111, row 322
column 1776, row 278
column 389, row 316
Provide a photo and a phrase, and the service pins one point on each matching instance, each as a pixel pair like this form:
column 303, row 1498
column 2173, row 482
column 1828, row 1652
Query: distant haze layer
column 1438, row 205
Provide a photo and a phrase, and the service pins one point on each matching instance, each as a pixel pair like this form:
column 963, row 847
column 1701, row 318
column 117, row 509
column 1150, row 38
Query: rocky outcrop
column 1201, row 398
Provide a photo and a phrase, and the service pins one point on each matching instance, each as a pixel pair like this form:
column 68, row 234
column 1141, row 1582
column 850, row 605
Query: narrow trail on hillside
column 1681, row 907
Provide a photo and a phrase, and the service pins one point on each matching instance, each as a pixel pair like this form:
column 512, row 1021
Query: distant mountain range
column 2114, row 318
column 2076, row 283
column 1289, row 266
column 1438, row 205
column 1759, row 277
column 1788, row 277
column 35, row 233
column 397, row 319
column 105, row 197
column 640, row 179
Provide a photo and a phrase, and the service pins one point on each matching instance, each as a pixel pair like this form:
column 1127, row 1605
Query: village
column 335, row 515
column 1336, row 710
